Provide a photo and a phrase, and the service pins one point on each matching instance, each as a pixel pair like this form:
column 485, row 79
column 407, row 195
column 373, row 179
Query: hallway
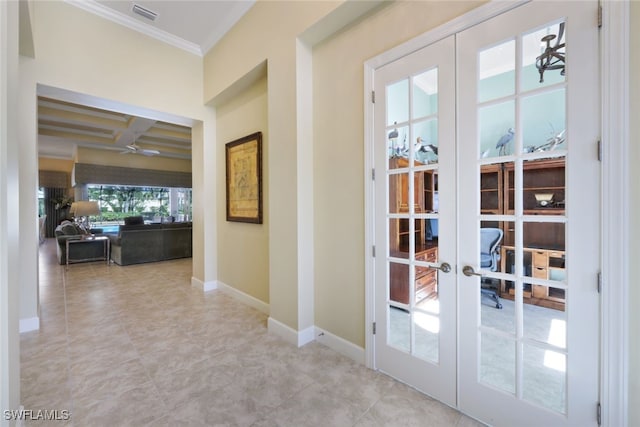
column 137, row 345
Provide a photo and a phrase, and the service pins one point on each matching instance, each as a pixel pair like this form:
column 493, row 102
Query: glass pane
column 547, row 325
column 397, row 146
column 426, row 327
column 498, row 362
column 544, row 186
column 497, row 129
column 497, row 71
column 399, row 283
column 544, row 378
column 399, row 193
column 430, row 188
column 398, row 102
column 543, row 50
column 425, row 94
column 544, row 122
column 497, row 310
column 426, row 141
column 490, row 189
column 399, row 329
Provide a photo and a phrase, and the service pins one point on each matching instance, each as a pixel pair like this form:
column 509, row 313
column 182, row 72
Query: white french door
column 479, row 135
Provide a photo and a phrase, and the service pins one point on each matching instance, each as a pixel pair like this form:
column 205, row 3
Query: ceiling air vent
column 144, row 12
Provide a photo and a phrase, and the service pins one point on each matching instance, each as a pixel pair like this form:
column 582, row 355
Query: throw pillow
column 69, row 229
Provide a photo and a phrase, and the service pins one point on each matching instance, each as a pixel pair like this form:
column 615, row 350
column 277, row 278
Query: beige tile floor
column 138, row 345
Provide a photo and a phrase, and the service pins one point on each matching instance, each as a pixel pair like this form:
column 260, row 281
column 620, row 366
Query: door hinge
column 599, row 15
column 373, row 251
column 373, row 96
column 374, row 328
column 599, row 414
column 599, row 150
column 373, row 174
column 599, row 282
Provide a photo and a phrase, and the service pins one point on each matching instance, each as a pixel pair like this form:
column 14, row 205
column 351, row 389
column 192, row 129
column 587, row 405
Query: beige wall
column 243, row 260
column 58, row 165
column 634, row 208
column 109, row 158
column 339, row 155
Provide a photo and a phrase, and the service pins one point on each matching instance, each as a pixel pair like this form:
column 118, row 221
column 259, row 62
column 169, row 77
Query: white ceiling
column 195, row 26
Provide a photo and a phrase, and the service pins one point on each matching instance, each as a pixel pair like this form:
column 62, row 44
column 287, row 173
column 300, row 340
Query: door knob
column 445, row 267
column 467, row 270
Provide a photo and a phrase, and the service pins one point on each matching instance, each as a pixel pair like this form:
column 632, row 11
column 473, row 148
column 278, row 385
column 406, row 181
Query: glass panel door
column 527, row 119
column 415, row 305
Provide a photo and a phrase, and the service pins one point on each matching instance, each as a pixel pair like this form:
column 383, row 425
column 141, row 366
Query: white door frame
column 614, row 59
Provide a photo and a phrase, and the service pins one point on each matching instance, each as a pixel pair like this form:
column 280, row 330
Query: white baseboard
column 297, row 338
column 244, row 298
column 205, row 286
column 342, row 346
column 30, row 324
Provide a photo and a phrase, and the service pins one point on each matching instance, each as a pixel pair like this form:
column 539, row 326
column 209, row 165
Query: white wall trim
column 454, row 26
column 340, row 345
column 205, row 286
column 244, row 297
column 615, row 213
column 297, row 338
column 29, row 324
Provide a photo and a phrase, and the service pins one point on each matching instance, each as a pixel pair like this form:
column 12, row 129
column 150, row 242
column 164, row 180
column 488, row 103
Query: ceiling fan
column 135, row 149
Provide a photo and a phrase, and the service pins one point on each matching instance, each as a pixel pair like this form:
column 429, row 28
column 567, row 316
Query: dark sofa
column 68, row 230
column 140, row 243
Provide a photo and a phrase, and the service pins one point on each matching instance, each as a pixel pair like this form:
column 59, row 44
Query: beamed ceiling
column 63, row 126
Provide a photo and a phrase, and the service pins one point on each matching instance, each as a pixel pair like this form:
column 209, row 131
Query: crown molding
column 96, row 8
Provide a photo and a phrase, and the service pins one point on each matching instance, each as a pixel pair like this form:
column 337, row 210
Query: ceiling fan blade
column 150, row 152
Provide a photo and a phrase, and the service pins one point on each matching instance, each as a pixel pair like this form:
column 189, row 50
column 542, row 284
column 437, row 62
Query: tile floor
column 138, row 345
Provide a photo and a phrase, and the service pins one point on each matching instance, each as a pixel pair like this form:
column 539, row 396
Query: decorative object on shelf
column 553, row 57
column 244, row 179
column 544, row 200
column 504, row 140
column 81, row 210
column 427, row 153
column 551, row 144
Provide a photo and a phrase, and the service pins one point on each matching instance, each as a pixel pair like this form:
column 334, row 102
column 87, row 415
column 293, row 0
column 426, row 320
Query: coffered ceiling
column 63, row 126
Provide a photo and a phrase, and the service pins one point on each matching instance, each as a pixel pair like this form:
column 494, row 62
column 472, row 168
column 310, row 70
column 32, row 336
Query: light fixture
column 552, row 58
column 82, row 210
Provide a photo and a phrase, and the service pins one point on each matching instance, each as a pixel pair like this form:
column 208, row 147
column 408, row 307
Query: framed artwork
column 244, row 179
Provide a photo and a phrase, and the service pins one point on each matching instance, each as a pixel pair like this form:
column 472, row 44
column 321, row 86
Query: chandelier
column 553, row 56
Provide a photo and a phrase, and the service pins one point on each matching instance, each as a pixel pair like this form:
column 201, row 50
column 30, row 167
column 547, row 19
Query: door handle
column 445, row 267
column 468, row 271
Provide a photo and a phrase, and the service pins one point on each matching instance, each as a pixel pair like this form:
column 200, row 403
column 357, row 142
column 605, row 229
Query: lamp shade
column 84, row 208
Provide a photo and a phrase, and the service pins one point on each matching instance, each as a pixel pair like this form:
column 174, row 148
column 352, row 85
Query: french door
column 487, row 217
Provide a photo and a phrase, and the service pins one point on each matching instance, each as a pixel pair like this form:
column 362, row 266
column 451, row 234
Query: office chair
column 489, row 257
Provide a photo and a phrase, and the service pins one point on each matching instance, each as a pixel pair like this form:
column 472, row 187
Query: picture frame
column 244, row 179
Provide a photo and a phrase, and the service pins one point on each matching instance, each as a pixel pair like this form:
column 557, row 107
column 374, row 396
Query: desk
column 84, row 239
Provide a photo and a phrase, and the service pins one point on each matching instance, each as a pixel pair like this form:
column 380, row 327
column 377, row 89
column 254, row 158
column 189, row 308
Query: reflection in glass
column 544, row 122
column 399, row 329
column 497, row 71
column 498, row 362
column 532, row 47
column 398, row 102
column 399, row 281
column 426, row 141
column 544, row 186
column 490, row 189
column 497, row 129
column 544, row 377
column 425, row 94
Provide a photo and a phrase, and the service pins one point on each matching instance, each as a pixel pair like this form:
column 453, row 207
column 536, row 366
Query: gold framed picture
column 244, row 179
